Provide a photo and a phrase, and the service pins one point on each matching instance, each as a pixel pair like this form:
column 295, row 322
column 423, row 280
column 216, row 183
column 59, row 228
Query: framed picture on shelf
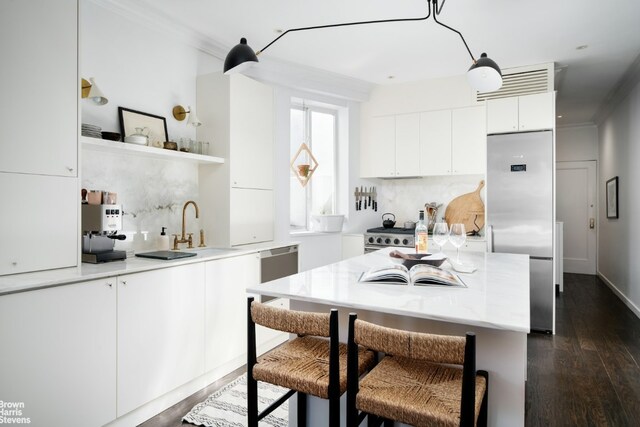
column 612, row 198
column 155, row 127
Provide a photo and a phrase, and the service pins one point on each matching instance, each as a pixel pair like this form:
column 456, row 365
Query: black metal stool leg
column 302, row 409
column 388, row 423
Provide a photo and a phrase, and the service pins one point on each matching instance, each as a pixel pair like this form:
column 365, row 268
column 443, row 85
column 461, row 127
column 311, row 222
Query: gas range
column 380, row 237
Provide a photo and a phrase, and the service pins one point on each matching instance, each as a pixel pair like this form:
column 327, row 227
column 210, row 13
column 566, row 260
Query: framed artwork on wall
column 155, row 127
column 612, row 198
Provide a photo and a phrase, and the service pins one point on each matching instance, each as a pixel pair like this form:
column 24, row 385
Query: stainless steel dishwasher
column 277, row 263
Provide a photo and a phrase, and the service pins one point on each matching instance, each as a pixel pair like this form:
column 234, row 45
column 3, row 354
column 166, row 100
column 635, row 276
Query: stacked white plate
column 92, row 131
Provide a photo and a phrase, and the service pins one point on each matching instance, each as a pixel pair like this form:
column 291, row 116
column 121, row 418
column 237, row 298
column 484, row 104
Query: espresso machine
column 100, row 226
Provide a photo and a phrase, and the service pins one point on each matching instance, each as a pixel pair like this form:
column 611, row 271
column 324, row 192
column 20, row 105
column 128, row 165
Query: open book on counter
column 419, row 274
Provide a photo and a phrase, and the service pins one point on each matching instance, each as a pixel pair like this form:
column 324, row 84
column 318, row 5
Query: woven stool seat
column 303, row 365
column 416, row 392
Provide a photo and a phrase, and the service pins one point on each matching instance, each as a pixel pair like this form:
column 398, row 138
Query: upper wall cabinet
column 453, row 142
column 521, row 113
column 435, row 143
column 469, row 141
column 237, row 115
column 39, row 86
column 390, row 148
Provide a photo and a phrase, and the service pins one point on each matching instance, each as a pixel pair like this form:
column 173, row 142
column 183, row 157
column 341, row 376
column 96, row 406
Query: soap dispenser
column 164, row 240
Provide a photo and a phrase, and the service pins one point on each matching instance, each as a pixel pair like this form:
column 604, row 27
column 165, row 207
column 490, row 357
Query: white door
column 575, row 207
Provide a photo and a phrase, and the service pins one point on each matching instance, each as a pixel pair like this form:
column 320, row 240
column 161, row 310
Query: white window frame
column 307, row 110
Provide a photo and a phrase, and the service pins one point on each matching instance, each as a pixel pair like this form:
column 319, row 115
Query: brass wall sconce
column 90, row 90
column 180, row 113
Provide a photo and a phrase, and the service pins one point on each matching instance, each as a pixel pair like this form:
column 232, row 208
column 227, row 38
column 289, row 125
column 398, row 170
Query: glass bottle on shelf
column 421, row 235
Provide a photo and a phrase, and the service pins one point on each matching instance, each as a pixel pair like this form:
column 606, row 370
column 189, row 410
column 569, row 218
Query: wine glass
column 440, row 234
column 457, row 237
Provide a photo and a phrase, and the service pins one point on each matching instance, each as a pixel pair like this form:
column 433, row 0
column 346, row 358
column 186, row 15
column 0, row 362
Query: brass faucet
column 184, row 238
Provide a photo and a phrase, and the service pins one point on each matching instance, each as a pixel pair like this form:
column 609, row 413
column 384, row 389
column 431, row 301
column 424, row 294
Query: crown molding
column 270, row 70
column 163, row 24
column 629, row 80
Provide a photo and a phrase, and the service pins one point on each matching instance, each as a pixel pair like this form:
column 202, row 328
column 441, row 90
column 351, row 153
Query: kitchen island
column 494, row 305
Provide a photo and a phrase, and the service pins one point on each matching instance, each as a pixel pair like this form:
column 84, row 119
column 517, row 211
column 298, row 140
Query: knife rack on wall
column 369, row 196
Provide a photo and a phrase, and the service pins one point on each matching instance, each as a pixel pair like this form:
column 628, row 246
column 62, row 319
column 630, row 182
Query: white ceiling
column 512, row 32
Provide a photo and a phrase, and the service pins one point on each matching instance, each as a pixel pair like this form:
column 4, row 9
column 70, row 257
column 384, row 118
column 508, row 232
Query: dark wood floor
column 585, row 375
column 588, row 373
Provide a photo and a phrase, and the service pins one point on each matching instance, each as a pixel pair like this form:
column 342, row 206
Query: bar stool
column 415, row 383
column 309, row 364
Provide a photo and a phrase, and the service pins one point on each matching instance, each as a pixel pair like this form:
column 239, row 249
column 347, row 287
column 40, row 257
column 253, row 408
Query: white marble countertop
column 85, row 271
column 497, row 293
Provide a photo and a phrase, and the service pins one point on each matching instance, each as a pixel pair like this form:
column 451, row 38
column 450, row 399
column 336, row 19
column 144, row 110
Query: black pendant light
column 484, row 75
column 239, row 58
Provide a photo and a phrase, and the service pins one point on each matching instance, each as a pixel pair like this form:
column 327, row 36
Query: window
column 317, row 127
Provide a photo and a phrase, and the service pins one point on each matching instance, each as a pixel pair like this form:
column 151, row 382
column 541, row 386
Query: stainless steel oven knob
column 396, row 241
column 379, row 240
column 387, row 241
column 405, row 242
column 371, row 239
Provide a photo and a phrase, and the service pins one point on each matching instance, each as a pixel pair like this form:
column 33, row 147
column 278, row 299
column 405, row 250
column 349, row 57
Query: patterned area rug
column 227, row 407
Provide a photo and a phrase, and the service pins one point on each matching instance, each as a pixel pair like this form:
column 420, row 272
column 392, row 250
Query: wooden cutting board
column 464, row 209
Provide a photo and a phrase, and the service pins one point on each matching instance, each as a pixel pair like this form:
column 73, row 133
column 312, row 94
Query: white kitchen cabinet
column 39, row 86
column 237, row 115
column 536, row 112
column 160, row 332
column 521, row 113
column 435, row 143
column 251, row 216
column 407, row 145
column 502, row 115
column 59, row 353
column 469, row 141
column 378, row 148
column 225, row 307
column 39, row 222
column 390, row 146
column 251, row 119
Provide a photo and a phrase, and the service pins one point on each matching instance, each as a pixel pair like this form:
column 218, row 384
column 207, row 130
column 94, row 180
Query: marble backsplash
column 405, row 197
column 152, row 193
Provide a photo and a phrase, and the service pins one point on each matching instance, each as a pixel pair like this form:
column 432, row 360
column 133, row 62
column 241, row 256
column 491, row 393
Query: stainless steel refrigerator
column 520, row 211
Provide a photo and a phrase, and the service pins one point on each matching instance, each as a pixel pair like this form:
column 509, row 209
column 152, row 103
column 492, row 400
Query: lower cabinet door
column 38, row 222
column 226, row 309
column 160, row 332
column 58, row 355
column 251, row 216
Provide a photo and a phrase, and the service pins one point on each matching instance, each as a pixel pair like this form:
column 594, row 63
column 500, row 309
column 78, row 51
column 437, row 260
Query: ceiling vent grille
column 519, row 83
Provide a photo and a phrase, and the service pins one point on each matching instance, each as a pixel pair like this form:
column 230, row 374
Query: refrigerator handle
column 490, row 238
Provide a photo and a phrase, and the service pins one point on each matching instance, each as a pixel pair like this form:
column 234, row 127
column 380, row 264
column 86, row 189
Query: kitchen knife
column 366, row 193
column 356, row 197
column 360, row 199
column 375, row 199
column 370, row 194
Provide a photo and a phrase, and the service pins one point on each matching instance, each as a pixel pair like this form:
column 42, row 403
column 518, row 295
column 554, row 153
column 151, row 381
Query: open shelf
column 103, row 145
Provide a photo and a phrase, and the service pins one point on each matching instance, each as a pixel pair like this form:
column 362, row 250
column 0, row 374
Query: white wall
column 144, row 69
column 619, row 239
column 577, row 143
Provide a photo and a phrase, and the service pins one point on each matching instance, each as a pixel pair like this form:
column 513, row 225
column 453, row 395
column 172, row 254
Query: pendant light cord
column 436, row 12
column 381, row 21
column 435, row 18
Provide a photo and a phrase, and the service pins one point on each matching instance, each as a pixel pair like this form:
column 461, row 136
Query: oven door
column 369, row 248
